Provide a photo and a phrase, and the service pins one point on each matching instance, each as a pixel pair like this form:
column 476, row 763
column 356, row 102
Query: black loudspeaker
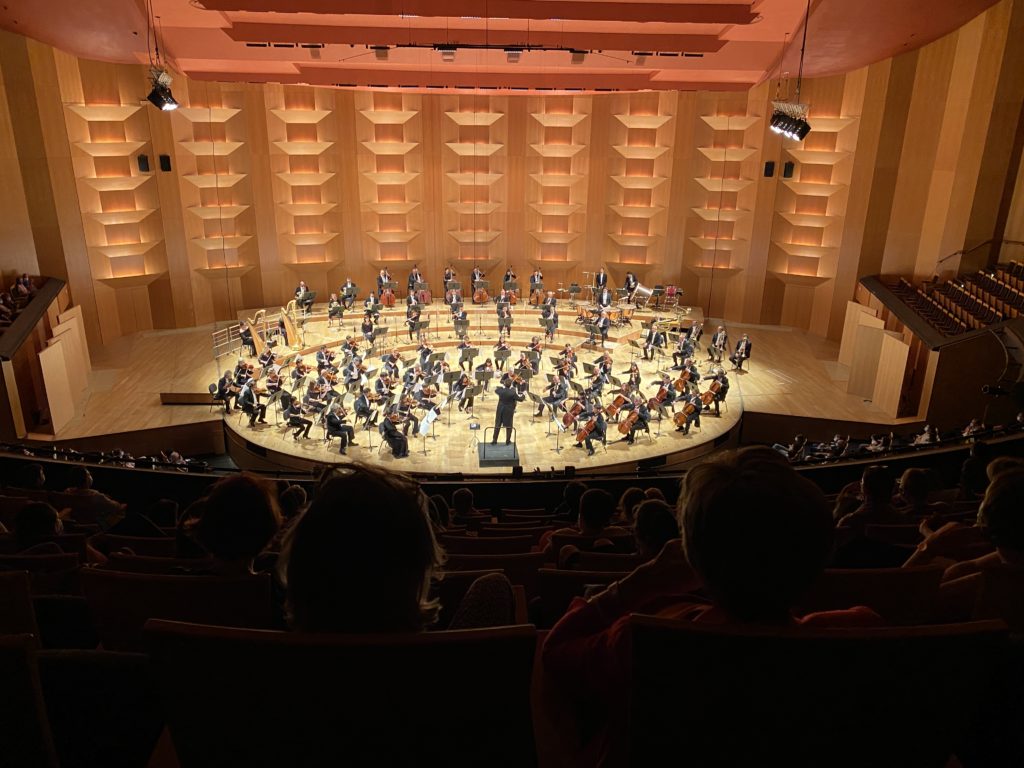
column 143, row 163
column 769, row 169
column 787, row 171
column 165, row 163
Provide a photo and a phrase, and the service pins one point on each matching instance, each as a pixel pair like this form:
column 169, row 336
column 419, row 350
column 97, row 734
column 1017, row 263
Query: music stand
column 594, row 332
column 482, row 378
column 538, row 401
column 453, row 285
column 420, row 326
column 502, row 355
column 467, row 355
column 634, row 346
column 533, row 357
column 506, row 323
column 473, row 392
column 461, row 328
column 548, row 324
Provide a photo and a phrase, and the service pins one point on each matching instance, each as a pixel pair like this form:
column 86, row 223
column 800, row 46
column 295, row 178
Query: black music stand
column 467, row 355
column 595, row 333
column 548, row 324
column 482, row 378
column 502, row 354
column 461, row 328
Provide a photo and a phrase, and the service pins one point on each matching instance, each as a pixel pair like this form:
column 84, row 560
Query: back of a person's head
column 361, row 556
column 239, row 518
column 462, row 502
column 440, row 513
column 654, row 493
column 596, row 509
column 1001, row 513
column 31, row 477
column 655, row 524
column 79, row 477
column 292, row 499
column 915, row 484
column 1002, row 464
column 755, row 531
column 573, row 492
column 877, row 484
column 628, row 501
column 36, row 520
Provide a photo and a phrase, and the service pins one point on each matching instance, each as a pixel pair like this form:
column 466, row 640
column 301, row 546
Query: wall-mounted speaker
column 787, row 170
column 143, row 163
column 165, row 163
column 769, row 169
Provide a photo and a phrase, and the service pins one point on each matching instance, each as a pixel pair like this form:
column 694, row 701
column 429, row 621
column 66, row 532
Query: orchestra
column 404, row 395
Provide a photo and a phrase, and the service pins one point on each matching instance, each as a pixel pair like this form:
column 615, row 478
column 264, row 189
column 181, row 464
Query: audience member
column 795, row 451
column 625, row 511
column 754, row 536
column 462, row 505
column 440, row 513
column 348, row 571
column 569, row 508
column 235, row 522
column 106, row 511
column 914, row 486
column 656, row 525
column 654, row 493
column 34, row 524
column 973, row 480
column 874, row 495
column 31, row 478
column 597, row 508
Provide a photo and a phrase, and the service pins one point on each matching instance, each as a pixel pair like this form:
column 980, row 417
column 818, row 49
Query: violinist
column 273, row 382
column 558, row 392
column 423, row 392
column 460, row 390
column 348, row 293
column 499, row 347
column 382, row 389
column 598, row 427
column 404, row 408
column 398, row 442
column 524, row 363
column 303, row 296
column 367, row 328
column 226, row 391
column 464, row 344
column 634, row 375
column 353, row 371
column 654, row 339
column 485, row 366
column 719, row 341
column 693, row 417
column 298, row 373
column 630, row 284
column 390, row 366
column 293, row 415
column 568, row 352
column 370, row 307
column 336, row 427
column 362, row 406
column 312, row 401
column 324, row 357
column 267, row 358
column 718, row 374
column 245, row 336
column 639, row 407
column 743, row 348
column 241, row 372
column 509, row 396
column 425, row 352
column 414, row 278
column 535, row 345
column 410, row 377
column 413, row 319
column 335, row 311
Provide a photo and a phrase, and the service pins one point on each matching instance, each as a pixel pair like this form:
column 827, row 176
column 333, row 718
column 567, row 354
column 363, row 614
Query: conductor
column 508, row 397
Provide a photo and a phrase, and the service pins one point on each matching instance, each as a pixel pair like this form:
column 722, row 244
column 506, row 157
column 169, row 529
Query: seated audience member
column 879, row 444
column 597, row 508
column 795, row 451
column 380, row 588
column 30, row 477
column 440, row 513
column 34, row 524
column 137, row 521
column 929, row 436
column 1001, row 464
column 656, row 525
column 569, row 508
column 974, row 427
column 914, row 486
column 107, row 511
column 654, row 493
column 235, row 522
column 462, row 505
column 291, row 501
column 973, row 480
column 754, row 536
column 870, row 501
column 626, row 509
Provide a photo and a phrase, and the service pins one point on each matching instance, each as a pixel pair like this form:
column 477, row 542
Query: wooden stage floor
column 792, row 373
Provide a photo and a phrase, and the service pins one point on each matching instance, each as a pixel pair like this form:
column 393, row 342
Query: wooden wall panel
column 16, row 240
column 56, row 378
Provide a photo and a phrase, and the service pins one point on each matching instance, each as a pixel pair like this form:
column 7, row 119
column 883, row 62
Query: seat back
column 149, row 546
column 121, row 603
column 522, row 569
column 70, row 543
column 893, row 696
column 900, row 535
column 499, row 531
column 623, row 544
column 9, row 508
column 48, row 574
column 24, row 727
column 603, row 561
column 558, row 588
column 450, row 589
column 902, row 596
column 118, row 561
column 245, row 697
column 1002, row 597
column 17, row 616
column 498, row 545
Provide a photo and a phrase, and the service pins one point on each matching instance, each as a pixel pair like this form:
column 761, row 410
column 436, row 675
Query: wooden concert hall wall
column 165, row 220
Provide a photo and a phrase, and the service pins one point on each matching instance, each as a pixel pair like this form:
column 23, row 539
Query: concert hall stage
column 792, row 374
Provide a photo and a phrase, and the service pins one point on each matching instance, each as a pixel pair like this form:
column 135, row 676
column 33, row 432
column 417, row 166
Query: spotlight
column 161, row 96
column 790, row 120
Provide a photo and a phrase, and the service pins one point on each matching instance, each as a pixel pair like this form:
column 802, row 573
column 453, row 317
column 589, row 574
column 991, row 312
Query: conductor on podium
column 509, row 396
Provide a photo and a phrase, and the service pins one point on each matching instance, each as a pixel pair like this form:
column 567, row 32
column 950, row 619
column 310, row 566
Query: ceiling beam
column 669, row 12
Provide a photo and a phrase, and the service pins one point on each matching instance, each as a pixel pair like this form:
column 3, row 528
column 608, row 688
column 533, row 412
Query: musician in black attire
column 558, row 391
column 246, row 337
column 414, row 277
column 603, row 324
column 464, row 361
column 601, row 279
column 303, row 296
column 693, row 418
column 336, row 427
column 251, row 405
column 630, row 285
column 335, row 310
column 348, row 293
column 398, row 442
column 604, row 298
column 413, row 319
column 293, row 415
column 718, row 374
column 683, row 352
column 600, row 430
column 719, row 341
column 743, row 348
column 640, row 406
column 508, row 398
column 654, row 339
column 362, row 405
column 460, row 389
column 224, row 391
column 404, row 409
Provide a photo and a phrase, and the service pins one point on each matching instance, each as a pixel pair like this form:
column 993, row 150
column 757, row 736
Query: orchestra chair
column 121, row 603
column 10, row 506
column 214, row 402
column 24, row 725
column 259, row 698
column 899, row 535
column 48, row 574
column 151, row 546
column 901, row 596
column 69, row 543
column 559, row 587
column 17, row 614
column 511, row 514
column 497, row 545
column 891, row 696
column 521, row 569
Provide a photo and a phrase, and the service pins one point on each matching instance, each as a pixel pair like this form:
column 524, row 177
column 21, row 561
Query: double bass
column 387, row 297
column 480, row 296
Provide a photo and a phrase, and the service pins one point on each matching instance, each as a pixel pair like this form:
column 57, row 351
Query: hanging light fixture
column 160, row 96
column 789, row 118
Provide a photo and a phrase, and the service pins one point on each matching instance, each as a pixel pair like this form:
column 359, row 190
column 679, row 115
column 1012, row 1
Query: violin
column 517, row 379
column 429, row 391
column 572, row 414
column 409, row 402
column 396, row 418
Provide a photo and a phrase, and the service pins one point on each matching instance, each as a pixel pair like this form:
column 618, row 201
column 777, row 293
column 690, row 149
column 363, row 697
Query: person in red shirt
column 755, row 534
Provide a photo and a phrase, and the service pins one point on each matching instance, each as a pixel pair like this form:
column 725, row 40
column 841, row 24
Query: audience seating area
column 202, row 655
column 969, row 302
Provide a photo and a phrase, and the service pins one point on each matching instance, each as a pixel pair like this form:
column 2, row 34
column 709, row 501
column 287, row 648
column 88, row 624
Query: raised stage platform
column 792, row 374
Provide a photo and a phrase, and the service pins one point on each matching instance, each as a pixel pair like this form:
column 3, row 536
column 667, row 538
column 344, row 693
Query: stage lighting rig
column 789, row 118
column 160, row 96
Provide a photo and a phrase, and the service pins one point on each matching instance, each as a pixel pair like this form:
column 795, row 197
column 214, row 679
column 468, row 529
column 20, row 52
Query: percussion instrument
column 642, row 291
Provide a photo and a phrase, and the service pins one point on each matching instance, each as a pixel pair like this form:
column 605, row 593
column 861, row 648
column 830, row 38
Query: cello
column 589, row 427
column 627, row 423
column 680, row 418
column 613, row 410
column 680, row 384
column 708, row 396
column 655, row 402
column 571, row 414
